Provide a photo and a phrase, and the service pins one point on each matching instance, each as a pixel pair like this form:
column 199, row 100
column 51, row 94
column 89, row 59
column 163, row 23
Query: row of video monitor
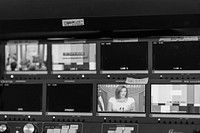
column 31, row 56
column 109, row 99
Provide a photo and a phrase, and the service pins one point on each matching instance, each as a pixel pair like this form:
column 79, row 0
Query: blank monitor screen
column 175, row 98
column 69, row 97
column 182, row 55
column 21, row 97
column 124, row 56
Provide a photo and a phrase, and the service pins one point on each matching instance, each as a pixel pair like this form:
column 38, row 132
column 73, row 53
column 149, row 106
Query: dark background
column 39, row 9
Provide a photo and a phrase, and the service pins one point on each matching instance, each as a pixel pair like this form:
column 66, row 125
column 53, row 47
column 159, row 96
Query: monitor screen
column 21, row 99
column 25, row 57
column 178, row 57
column 175, row 98
column 122, row 57
column 120, row 98
column 69, row 99
column 74, row 58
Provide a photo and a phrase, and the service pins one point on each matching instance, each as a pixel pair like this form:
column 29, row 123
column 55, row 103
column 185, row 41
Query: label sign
column 125, row 40
column 72, row 22
column 136, row 81
column 22, row 42
column 182, row 38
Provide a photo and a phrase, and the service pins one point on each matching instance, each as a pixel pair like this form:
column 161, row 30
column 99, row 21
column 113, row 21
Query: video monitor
column 25, row 57
column 124, row 57
column 73, row 99
column 121, row 100
column 175, row 100
column 73, row 58
column 21, row 99
column 176, row 57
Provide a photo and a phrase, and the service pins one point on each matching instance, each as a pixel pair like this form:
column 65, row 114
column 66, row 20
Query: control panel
column 95, row 127
column 86, row 86
column 119, row 128
column 63, row 127
column 20, row 127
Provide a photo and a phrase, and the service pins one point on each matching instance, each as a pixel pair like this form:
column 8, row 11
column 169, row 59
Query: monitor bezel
column 126, row 40
column 8, row 112
column 119, row 114
column 173, row 39
column 26, row 72
column 73, row 42
column 69, row 113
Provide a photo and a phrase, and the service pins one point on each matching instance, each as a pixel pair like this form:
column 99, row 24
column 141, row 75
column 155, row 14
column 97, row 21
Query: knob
column 3, row 128
column 29, row 128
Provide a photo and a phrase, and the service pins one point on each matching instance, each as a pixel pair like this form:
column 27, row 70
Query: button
column 127, row 131
column 65, row 127
column 120, row 128
column 64, row 130
column 129, row 128
column 49, row 130
column 72, row 130
column 118, row 131
column 56, row 130
column 73, row 126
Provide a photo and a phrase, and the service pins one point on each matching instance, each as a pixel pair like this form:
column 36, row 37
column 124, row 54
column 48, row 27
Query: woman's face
column 123, row 93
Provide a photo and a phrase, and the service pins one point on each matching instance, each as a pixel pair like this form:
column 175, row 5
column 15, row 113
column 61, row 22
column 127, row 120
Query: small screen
column 182, row 55
column 74, row 57
column 121, row 98
column 69, row 97
column 21, row 97
column 175, row 98
column 25, row 55
column 122, row 56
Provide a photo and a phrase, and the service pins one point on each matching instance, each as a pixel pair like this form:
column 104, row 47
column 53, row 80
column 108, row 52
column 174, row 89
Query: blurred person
column 13, row 66
column 101, row 106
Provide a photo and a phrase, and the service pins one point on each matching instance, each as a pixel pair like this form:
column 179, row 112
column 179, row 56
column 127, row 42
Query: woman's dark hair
column 118, row 90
